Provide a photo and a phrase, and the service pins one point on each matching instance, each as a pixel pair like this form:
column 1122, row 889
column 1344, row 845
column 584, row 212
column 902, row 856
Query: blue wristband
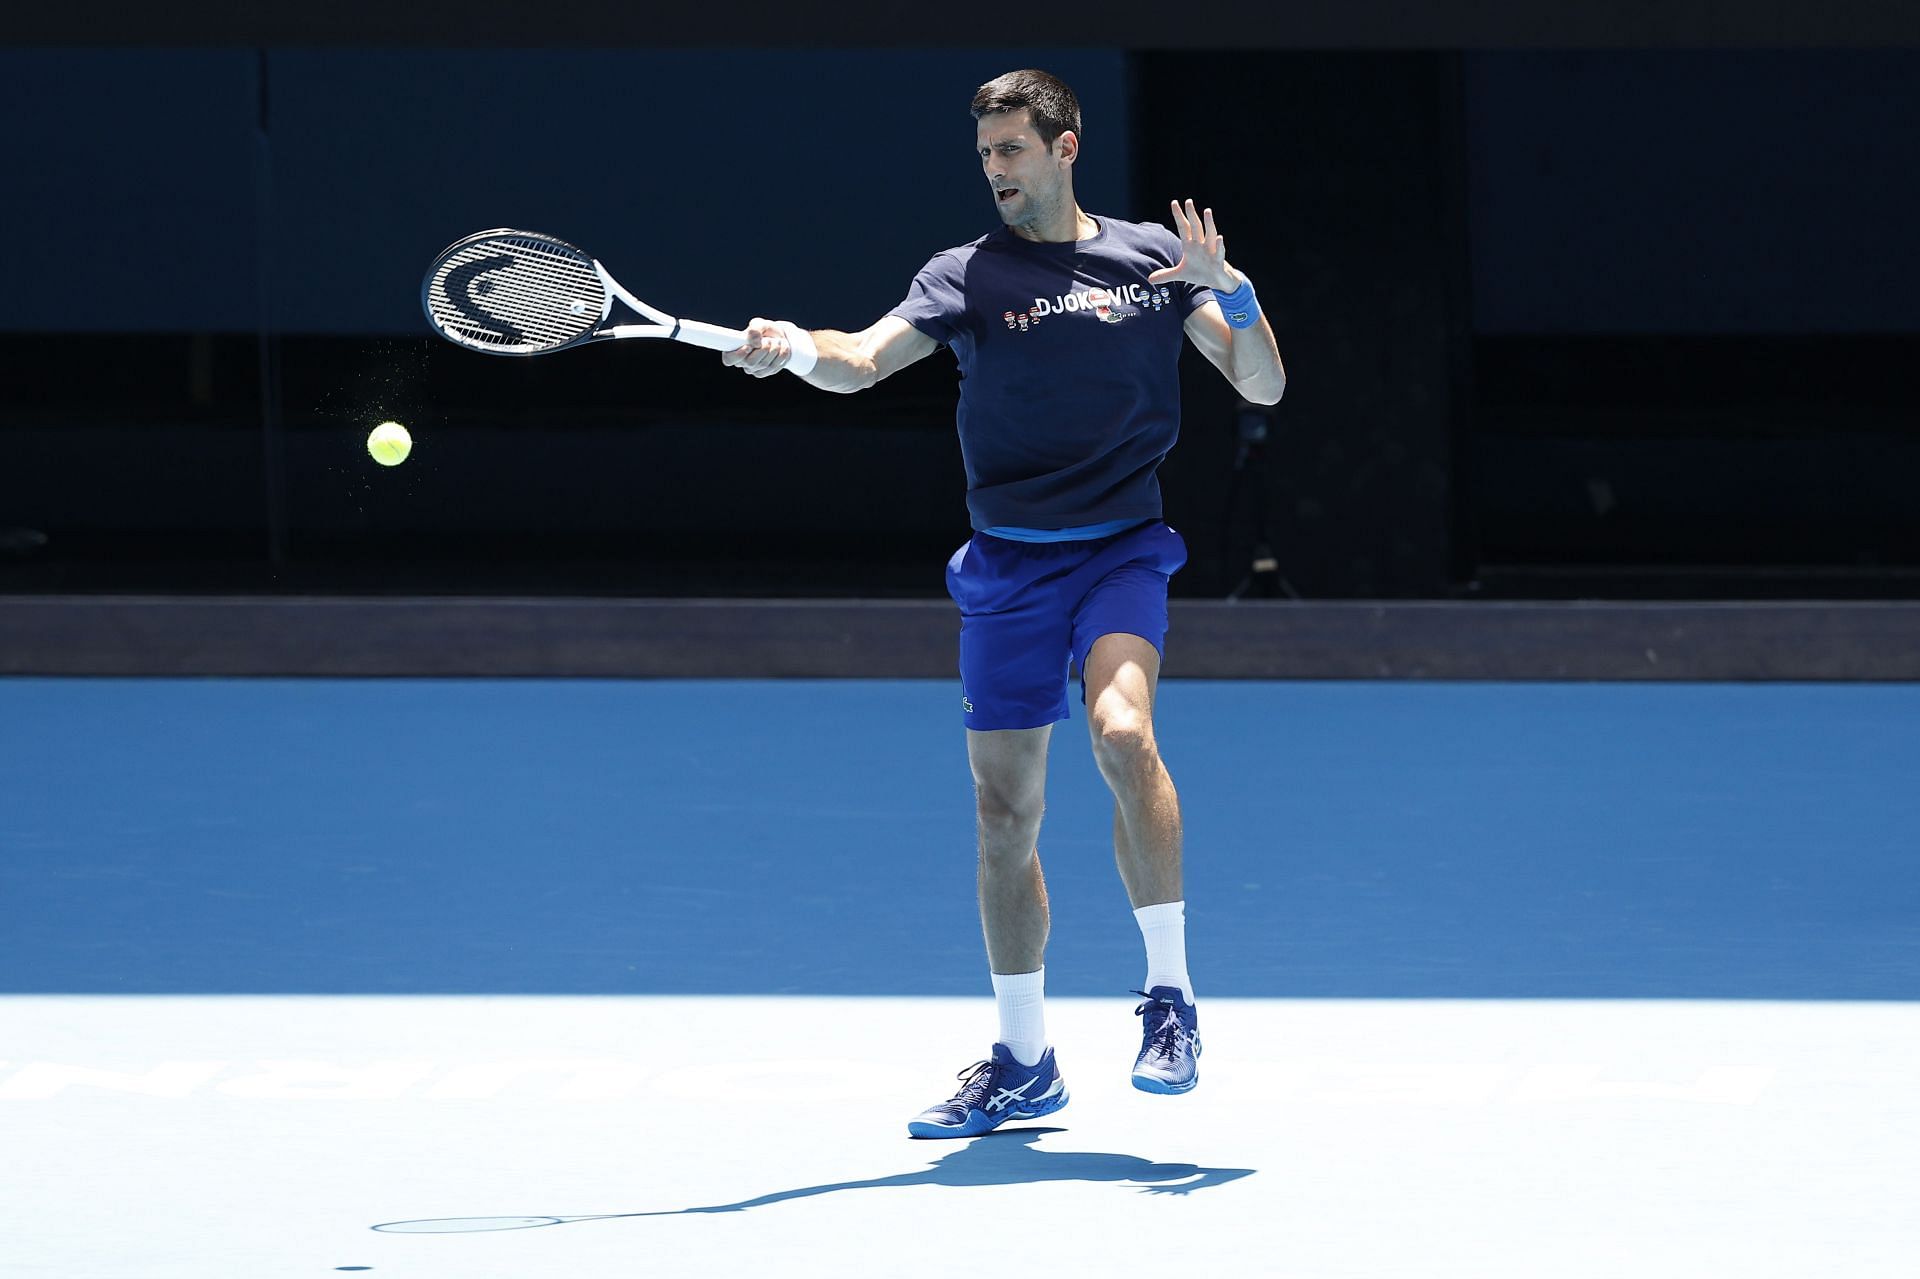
column 1239, row 306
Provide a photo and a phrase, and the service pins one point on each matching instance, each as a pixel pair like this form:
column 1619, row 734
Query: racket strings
column 526, row 304
column 526, row 295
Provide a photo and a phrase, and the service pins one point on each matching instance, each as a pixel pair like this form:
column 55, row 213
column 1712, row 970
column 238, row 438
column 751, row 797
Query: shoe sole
column 917, row 1129
column 1147, row 1083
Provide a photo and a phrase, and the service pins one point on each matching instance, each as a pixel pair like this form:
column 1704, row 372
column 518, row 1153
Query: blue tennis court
column 1368, row 840
column 1500, row 979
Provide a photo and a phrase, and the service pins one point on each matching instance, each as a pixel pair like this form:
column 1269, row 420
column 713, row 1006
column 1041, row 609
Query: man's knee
column 1006, row 809
column 1123, row 740
column 1009, row 822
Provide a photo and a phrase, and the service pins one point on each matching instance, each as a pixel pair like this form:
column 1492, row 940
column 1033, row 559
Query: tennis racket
column 510, row 292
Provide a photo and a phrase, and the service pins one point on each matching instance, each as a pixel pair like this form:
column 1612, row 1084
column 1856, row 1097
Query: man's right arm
column 842, row 361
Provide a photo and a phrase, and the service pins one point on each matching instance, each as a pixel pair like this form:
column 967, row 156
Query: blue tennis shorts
column 1029, row 609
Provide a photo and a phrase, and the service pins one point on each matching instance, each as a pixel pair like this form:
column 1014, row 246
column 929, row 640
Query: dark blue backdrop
column 1694, row 192
column 1654, row 191
column 810, row 184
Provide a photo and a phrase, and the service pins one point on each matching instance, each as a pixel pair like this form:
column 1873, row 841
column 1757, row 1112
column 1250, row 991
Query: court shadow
column 996, row 1159
column 1009, row 1158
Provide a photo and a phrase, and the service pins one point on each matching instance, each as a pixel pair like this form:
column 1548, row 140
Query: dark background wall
column 1694, row 309
column 144, row 168
column 1692, row 192
column 1624, row 321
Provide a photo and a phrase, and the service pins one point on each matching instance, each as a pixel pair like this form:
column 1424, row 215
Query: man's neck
column 1072, row 225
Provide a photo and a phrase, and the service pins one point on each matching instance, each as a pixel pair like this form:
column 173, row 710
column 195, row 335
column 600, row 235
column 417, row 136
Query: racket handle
column 711, row 336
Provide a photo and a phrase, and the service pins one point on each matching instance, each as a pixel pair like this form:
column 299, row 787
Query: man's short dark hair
column 1051, row 104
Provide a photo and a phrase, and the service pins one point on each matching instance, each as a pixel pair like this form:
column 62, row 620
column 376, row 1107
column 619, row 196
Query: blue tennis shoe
column 1169, row 1042
column 992, row 1092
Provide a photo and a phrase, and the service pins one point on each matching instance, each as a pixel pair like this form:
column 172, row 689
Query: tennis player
column 1067, row 328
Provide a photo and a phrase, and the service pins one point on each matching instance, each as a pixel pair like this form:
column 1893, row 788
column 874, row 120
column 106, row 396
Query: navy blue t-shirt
column 1069, row 370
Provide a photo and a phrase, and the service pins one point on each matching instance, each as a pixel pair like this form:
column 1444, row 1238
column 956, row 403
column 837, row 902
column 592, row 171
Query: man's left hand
column 1203, row 258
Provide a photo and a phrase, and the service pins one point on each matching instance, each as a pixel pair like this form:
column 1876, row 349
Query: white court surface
column 253, row 1136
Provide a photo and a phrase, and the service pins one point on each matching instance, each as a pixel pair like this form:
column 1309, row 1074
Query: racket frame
column 692, row 332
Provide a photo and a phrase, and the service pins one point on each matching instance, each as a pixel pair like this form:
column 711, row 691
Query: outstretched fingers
column 1203, row 250
column 1184, row 226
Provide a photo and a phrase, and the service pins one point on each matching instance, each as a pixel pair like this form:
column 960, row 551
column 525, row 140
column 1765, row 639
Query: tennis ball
column 389, row 444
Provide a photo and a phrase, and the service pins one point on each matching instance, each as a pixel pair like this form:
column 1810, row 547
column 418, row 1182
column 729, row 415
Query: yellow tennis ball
column 389, row 444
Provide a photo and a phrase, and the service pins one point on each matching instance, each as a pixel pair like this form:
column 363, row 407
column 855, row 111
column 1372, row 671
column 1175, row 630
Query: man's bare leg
column 1122, row 675
column 1021, row 1080
column 1010, row 783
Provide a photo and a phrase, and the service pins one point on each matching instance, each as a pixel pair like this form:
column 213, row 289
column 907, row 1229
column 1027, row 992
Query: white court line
column 240, row 1135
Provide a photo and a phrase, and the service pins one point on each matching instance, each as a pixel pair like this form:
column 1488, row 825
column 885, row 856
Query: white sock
column 1165, row 928
column 1023, row 1022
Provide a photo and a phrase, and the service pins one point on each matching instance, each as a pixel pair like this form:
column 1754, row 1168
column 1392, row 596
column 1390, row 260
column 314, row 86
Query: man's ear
column 1069, row 144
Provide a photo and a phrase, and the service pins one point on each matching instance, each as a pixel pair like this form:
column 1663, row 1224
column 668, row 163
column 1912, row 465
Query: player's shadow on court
column 1010, row 1158
column 997, row 1159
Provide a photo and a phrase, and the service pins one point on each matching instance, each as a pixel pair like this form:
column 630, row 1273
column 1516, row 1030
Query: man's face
column 1029, row 181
